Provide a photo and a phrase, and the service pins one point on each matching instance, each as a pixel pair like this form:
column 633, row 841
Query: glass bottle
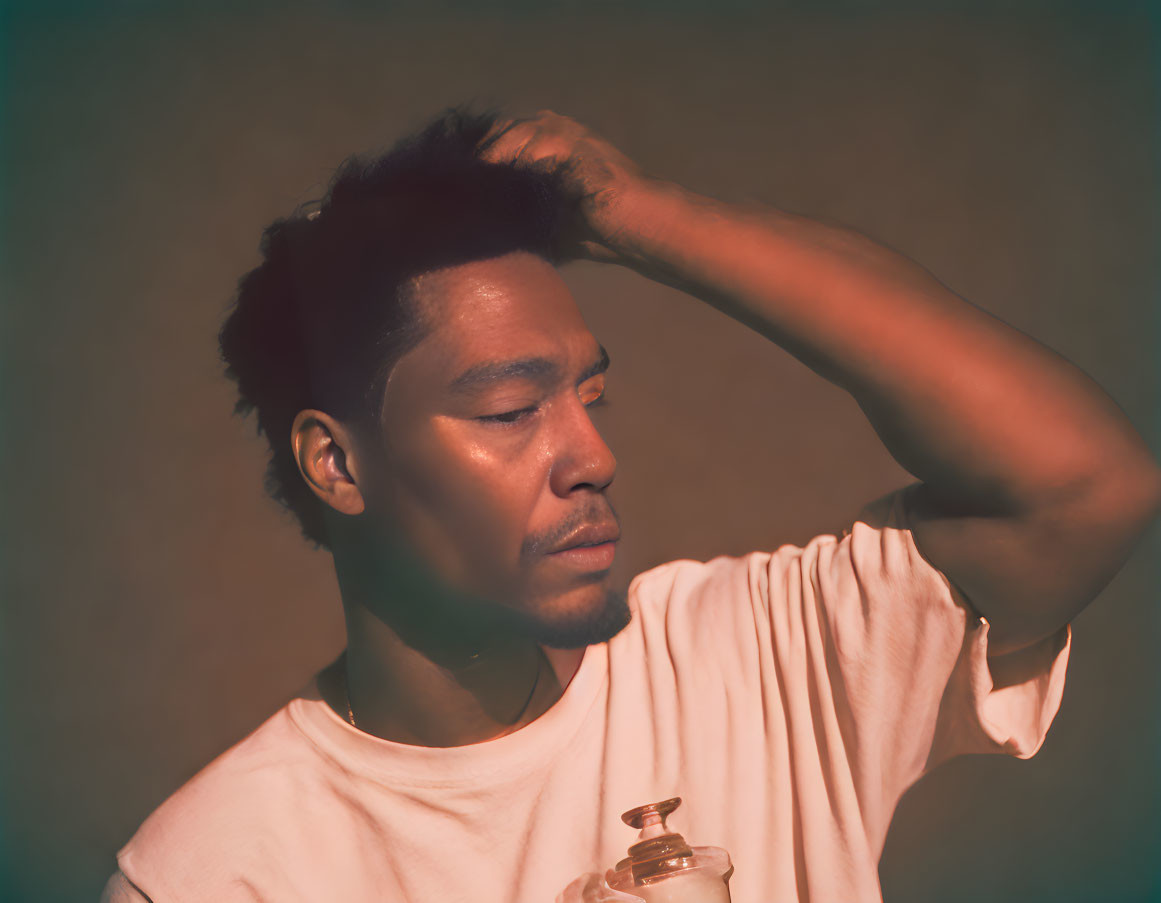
column 662, row 868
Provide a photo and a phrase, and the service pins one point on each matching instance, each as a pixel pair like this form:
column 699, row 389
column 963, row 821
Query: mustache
column 599, row 512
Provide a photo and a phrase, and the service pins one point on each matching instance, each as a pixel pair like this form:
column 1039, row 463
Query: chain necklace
column 523, row 708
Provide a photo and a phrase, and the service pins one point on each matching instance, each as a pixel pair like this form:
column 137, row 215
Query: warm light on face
column 493, row 457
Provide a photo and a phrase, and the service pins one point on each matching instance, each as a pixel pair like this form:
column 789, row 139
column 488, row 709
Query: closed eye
column 510, row 417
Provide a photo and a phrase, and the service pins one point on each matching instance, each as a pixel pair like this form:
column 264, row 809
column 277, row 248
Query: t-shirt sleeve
column 119, row 889
column 907, row 663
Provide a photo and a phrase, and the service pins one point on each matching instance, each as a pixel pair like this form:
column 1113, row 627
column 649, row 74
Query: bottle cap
column 659, row 851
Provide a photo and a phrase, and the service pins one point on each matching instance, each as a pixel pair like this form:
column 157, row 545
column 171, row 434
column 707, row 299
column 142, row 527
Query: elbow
column 1126, row 485
column 1154, row 490
column 1142, row 493
column 1129, row 498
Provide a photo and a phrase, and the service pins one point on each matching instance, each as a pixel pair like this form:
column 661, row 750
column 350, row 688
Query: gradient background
column 156, row 606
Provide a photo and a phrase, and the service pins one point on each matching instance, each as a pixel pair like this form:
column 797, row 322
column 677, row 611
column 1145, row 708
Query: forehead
column 505, row 308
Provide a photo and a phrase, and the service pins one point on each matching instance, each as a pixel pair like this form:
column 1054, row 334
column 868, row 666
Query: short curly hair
column 323, row 319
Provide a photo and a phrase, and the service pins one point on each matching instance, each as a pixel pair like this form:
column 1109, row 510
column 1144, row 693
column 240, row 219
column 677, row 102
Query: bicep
column 1030, row 574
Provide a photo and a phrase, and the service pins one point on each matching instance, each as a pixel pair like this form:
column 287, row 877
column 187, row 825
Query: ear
column 326, row 457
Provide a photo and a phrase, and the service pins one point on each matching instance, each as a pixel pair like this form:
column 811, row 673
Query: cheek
column 482, row 493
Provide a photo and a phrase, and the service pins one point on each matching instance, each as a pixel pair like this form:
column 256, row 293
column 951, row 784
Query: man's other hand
column 601, row 180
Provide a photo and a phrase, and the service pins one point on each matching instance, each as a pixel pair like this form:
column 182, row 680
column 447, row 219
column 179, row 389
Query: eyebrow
column 537, row 369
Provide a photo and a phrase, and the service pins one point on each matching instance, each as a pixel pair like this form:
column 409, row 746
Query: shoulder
column 693, row 607
column 217, row 816
column 681, row 578
column 731, row 595
column 686, row 583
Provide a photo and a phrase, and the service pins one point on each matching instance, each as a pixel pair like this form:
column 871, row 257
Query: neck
column 427, row 667
column 413, row 696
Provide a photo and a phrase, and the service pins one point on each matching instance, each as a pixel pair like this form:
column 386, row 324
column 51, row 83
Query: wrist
column 632, row 220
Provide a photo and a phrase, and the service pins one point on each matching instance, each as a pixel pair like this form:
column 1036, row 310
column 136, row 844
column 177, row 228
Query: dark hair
column 323, row 319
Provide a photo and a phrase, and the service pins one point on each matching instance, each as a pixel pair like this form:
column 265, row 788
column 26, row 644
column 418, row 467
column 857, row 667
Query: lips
column 590, row 535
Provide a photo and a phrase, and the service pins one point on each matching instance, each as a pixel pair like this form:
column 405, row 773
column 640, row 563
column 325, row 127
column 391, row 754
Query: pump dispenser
column 662, row 868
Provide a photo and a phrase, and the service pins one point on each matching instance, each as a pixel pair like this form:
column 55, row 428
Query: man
column 426, row 383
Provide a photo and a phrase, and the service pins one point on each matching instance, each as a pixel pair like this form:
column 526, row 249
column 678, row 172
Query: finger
column 532, row 153
column 512, row 148
column 490, row 146
column 494, row 130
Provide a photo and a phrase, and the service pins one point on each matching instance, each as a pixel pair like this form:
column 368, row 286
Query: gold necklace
column 523, row 708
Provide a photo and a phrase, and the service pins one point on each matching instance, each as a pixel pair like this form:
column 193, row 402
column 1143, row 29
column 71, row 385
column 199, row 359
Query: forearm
column 966, row 403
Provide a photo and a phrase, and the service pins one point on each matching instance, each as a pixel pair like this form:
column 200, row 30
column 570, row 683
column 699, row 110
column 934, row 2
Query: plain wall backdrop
column 157, row 606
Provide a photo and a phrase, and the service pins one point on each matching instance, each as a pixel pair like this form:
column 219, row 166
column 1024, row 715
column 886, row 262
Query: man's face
column 490, row 460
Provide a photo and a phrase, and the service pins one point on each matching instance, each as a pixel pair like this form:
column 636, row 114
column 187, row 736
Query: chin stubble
column 584, row 630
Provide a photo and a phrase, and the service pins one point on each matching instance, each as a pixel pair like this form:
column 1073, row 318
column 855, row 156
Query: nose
column 581, row 459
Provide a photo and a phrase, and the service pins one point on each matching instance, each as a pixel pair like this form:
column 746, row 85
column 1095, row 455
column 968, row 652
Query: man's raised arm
column 1035, row 485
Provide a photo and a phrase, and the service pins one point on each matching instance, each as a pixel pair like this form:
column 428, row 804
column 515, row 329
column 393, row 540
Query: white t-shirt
column 788, row 697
